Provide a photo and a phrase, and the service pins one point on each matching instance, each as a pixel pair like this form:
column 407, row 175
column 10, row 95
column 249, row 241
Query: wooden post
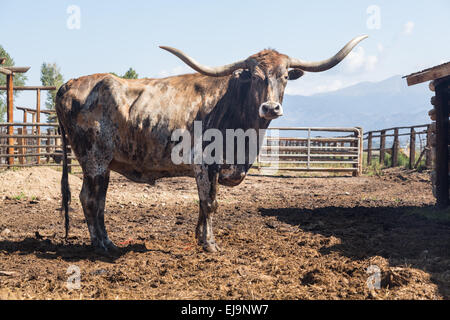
column 21, row 149
column 38, row 120
column 361, row 150
column 33, row 130
column 395, row 147
column 442, row 108
column 412, row 149
column 69, row 160
column 10, row 115
column 48, row 143
column 24, row 140
column 369, row 149
column 58, row 141
column 308, row 163
column 382, row 146
column 428, row 146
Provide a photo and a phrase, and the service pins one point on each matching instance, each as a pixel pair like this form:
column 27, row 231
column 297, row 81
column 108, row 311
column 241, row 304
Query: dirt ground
column 282, row 238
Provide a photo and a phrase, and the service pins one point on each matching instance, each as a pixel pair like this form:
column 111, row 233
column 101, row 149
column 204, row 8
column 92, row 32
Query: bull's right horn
column 209, row 71
column 324, row 65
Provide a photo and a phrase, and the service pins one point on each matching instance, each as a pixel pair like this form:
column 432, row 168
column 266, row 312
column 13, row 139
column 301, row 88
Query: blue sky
column 116, row 35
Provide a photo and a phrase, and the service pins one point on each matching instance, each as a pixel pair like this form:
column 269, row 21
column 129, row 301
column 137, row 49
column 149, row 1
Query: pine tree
column 130, row 74
column 51, row 76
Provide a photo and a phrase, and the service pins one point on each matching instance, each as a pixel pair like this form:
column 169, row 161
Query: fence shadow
column 46, row 249
column 286, row 175
column 398, row 234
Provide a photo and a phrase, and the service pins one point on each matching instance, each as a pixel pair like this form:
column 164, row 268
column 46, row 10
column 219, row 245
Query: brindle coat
column 126, row 126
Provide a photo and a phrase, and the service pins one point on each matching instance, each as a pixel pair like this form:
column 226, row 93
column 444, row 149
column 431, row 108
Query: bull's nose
column 270, row 110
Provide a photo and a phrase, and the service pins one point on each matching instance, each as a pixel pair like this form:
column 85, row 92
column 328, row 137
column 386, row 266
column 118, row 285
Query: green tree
column 51, row 76
column 130, row 74
column 19, row 80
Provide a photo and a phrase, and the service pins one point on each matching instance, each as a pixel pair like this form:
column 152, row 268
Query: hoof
column 211, row 247
column 113, row 249
column 101, row 250
column 108, row 250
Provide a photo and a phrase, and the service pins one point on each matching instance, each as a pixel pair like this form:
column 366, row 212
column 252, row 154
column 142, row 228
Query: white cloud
column 357, row 61
column 371, row 62
column 318, row 83
column 408, row 28
column 380, row 47
column 331, row 86
column 175, row 71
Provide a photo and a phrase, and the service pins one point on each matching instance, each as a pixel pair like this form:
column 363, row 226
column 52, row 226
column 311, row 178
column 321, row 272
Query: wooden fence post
column 10, row 115
column 382, row 146
column 69, row 160
column 412, row 149
column 442, row 141
column 20, row 141
column 38, row 120
column 395, row 148
column 24, row 140
column 33, row 130
column 1, row 148
column 369, row 149
column 355, row 144
column 48, row 143
column 308, row 161
column 428, row 146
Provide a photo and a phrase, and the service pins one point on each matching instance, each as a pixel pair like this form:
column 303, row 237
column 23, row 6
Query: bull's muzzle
column 270, row 110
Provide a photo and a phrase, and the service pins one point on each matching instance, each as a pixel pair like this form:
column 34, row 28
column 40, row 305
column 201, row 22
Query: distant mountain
column 371, row 105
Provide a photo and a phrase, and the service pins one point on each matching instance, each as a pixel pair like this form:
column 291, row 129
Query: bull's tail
column 65, row 188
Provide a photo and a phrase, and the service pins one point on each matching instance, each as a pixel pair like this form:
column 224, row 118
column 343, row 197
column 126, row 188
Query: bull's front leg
column 206, row 177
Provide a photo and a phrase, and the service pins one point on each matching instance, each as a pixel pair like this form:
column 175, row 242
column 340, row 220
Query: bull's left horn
column 209, row 71
column 324, row 65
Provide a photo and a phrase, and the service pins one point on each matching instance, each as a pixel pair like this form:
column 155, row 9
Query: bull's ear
column 294, row 74
column 243, row 75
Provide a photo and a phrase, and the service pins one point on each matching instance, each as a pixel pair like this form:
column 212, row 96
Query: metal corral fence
column 39, row 144
column 336, row 152
column 419, row 138
column 31, row 144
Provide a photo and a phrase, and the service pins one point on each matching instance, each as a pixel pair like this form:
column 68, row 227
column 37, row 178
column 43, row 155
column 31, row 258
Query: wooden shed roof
column 9, row 70
column 436, row 72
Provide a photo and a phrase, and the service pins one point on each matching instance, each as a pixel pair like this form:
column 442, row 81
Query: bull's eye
column 245, row 76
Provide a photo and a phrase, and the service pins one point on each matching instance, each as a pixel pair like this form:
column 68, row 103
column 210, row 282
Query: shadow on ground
column 47, row 249
column 399, row 234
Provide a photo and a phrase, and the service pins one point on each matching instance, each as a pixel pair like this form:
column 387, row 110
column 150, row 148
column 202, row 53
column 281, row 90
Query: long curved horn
column 323, row 65
column 209, row 71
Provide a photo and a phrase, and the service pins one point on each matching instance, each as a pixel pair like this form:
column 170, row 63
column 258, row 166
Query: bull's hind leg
column 92, row 197
column 206, row 177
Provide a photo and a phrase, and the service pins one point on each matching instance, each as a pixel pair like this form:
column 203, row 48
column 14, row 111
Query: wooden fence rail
column 26, row 146
column 31, row 144
column 413, row 133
